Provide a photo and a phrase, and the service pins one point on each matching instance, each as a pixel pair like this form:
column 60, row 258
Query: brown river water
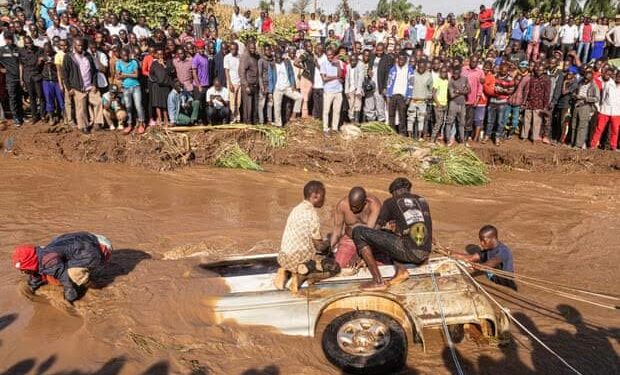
column 148, row 314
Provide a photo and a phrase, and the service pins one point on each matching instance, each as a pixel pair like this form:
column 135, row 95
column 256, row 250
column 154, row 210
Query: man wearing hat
column 67, row 260
column 200, row 72
column 408, row 240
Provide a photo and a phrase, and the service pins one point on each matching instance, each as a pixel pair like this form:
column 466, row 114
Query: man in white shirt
column 315, row 27
column 317, row 83
column 379, row 35
column 610, row 109
column 231, row 70
column 238, row 21
column 114, row 27
column 332, row 74
column 141, row 29
column 282, row 84
column 613, row 38
column 569, row 33
column 421, row 32
column 353, row 88
column 217, row 101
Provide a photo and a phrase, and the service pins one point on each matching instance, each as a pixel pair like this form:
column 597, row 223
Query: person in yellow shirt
column 440, row 101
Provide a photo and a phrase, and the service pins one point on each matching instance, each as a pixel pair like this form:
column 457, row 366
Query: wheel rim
column 363, row 337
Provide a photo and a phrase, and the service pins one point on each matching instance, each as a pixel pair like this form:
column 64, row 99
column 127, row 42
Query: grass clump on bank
column 455, row 166
column 377, row 127
column 232, row 156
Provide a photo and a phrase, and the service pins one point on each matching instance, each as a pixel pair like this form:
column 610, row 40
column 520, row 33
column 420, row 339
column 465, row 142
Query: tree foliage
column 560, row 7
column 300, row 6
column 399, row 9
column 264, row 5
column 176, row 11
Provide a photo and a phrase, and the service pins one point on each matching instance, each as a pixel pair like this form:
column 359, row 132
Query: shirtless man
column 358, row 209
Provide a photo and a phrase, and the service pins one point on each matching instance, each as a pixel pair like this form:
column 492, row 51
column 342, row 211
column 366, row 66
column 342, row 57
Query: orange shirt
column 486, row 14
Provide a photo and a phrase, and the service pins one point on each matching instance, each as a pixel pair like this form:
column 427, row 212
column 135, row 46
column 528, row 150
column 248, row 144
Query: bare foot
column 399, row 278
column 371, row 285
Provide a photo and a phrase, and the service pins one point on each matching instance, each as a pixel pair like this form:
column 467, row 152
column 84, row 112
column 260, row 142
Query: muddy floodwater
column 148, row 314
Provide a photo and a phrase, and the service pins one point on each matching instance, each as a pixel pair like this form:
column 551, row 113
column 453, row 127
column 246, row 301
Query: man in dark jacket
column 380, row 63
column 31, row 61
column 80, row 77
column 248, row 75
column 67, row 260
column 9, row 65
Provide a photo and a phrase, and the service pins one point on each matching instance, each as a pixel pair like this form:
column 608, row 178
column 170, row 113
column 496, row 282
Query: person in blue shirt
column 493, row 254
column 127, row 71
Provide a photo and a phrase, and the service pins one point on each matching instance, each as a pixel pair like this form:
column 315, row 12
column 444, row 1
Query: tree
column 264, row 5
column 397, row 8
column 281, row 6
column 560, row 7
column 300, row 6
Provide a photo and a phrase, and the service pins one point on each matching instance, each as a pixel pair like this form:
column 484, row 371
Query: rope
column 445, row 326
column 516, row 321
column 521, row 277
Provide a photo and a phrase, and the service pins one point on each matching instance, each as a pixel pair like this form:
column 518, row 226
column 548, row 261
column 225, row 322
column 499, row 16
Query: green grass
column 232, row 156
column 456, row 166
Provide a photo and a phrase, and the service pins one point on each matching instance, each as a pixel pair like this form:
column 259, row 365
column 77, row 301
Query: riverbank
column 305, row 147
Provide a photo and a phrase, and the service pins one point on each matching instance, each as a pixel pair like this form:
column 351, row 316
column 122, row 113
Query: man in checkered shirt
column 302, row 238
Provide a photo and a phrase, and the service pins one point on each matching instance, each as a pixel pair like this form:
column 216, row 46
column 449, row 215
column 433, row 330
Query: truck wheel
column 457, row 333
column 365, row 342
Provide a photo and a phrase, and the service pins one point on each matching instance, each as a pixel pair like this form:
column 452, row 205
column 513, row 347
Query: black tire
column 389, row 359
column 457, row 333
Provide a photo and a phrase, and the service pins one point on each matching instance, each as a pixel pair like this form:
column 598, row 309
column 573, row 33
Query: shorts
column 346, row 256
column 400, row 249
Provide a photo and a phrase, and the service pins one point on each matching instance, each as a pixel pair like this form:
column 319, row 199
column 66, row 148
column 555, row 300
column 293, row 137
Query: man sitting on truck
column 303, row 249
column 358, row 208
column 409, row 241
column 492, row 254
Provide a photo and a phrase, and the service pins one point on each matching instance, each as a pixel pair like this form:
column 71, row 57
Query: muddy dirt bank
column 148, row 315
column 306, row 147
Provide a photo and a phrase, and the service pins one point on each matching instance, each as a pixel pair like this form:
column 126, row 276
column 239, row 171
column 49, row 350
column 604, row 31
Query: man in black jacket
column 31, row 61
column 80, row 75
column 9, row 64
column 380, row 63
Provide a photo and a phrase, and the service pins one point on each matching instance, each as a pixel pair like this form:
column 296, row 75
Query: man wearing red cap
column 68, row 259
column 200, row 72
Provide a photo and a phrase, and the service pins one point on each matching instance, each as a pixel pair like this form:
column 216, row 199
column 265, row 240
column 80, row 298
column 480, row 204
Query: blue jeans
column 585, row 48
column 54, row 100
column 495, row 115
column 133, row 97
column 512, row 112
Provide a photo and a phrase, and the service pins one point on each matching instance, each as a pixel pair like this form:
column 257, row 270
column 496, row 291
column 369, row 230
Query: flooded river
column 148, row 315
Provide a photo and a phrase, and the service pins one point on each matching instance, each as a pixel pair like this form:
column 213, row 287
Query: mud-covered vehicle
column 360, row 331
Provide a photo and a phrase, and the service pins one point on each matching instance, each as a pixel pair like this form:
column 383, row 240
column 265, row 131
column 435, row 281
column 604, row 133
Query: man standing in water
column 356, row 209
column 303, row 249
column 493, row 254
column 410, row 241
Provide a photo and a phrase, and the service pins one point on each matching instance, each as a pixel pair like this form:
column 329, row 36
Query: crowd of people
column 485, row 78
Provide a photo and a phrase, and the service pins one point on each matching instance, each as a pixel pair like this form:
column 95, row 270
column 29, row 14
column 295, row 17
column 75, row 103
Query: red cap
column 199, row 43
column 25, row 258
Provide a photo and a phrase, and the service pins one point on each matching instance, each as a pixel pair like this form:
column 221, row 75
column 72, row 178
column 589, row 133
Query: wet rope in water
column 445, row 326
column 520, row 278
column 516, row 321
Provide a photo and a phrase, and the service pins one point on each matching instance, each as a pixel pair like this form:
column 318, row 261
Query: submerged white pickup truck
column 360, row 331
